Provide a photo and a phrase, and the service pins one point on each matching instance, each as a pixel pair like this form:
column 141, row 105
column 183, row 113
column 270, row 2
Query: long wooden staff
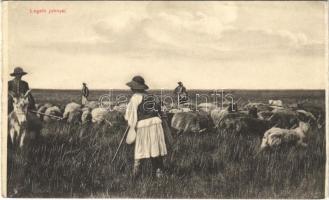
column 56, row 117
column 123, row 137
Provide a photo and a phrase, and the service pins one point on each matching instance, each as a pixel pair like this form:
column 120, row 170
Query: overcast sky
column 206, row 45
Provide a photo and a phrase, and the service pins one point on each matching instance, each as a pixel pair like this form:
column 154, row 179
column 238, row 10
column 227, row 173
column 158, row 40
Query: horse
column 23, row 126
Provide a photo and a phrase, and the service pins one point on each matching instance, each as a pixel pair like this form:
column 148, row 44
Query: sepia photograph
column 164, row 99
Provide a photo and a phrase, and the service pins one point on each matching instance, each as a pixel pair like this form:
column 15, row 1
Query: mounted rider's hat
column 18, row 71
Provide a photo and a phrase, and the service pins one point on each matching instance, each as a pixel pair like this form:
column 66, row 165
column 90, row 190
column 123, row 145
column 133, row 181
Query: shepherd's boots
column 157, row 168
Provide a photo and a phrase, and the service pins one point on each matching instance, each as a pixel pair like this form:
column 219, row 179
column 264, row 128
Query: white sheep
column 54, row 110
column 121, row 108
column 98, row 115
column 86, row 115
column 207, row 107
column 110, row 117
column 179, row 110
column 92, row 104
column 42, row 109
column 185, row 122
column 276, row 136
column 275, row 103
column 72, row 111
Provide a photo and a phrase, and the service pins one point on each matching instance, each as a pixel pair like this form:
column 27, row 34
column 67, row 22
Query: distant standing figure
column 85, row 94
column 181, row 93
column 18, row 87
column 145, row 127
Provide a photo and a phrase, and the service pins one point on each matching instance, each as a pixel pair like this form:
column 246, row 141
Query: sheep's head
column 304, row 126
column 86, row 116
column 264, row 143
column 271, row 138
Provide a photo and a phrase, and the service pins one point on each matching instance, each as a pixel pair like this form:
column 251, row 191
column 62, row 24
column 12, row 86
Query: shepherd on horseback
column 17, row 87
column 22, row 124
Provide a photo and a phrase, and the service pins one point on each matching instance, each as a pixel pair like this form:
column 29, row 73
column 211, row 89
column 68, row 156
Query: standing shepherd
column 18, row 87
column 181, row 93
column 84, row 94
column 145, row 127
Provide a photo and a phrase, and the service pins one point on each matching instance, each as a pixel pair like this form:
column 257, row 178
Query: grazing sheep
column 308, row 116
column 106, row 104
column 205, row 121
column 92, row 104
column 305, row 115
column 278, row 109
column 259, row 106
column 264, row 115
column 275, row 137
column 317, row 110
column 206, row 107
column 121, row 108
column 252, row 126
column 284, row 119
column 179, row 110
column 226, row 124
column 86, row 116
column 71, row 107
column 98, row 115
column 217, row 115
column 242, row 123
column 115, row 118
column 72, row 112
column 74, row 116
column 275, row 103
column 55, row 111
column 42, row 109
column 48, row 105
column 185, row 122
column 186, row 105
column 102, row 115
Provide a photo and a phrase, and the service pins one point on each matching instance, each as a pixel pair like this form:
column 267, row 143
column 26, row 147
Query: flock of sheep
column 274, row 122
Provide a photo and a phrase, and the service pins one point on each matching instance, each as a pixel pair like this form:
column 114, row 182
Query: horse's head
column 20, row 105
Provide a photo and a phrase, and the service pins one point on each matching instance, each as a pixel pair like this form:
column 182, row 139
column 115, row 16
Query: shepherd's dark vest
column 149, row 107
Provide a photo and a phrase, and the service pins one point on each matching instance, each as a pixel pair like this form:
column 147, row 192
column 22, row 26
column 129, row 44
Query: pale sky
column 206, row 45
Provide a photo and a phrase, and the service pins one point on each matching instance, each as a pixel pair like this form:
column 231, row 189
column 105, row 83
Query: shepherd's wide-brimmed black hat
column 179, row 82
column 138, row 83
column 18, row 71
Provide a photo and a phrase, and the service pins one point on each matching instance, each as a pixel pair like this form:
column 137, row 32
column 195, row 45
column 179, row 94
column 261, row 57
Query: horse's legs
column 21, row 140
column 12, row 136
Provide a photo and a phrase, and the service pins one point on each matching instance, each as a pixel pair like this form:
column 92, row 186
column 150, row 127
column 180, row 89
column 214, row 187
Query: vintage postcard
column 164, row 99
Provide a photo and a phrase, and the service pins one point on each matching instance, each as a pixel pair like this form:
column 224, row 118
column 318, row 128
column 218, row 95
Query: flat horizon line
column 271, row 89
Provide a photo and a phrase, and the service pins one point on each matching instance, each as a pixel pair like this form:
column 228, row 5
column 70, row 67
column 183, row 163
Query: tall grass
column 65, row 163
column 75, row 161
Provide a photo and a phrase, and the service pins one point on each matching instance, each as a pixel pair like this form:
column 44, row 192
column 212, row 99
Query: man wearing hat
column 145, row 127
column 85, row 94
column 181, row 93
column 19, row 87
